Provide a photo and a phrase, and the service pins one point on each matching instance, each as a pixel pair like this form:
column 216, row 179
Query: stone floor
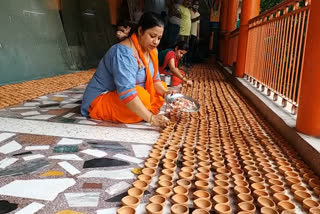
column 53, row 160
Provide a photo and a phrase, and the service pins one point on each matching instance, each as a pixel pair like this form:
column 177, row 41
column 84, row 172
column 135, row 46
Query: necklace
column 147, row 57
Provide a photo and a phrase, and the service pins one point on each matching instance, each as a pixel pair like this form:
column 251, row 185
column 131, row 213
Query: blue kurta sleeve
column 124, row 69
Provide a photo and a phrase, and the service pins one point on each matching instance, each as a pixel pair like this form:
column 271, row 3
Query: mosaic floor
column 53, row 160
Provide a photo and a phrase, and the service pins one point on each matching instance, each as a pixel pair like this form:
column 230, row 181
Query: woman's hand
column 189, row 82
column 159, row 121
column 168, row 93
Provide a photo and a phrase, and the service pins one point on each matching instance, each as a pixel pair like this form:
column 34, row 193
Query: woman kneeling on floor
column 168, row 63
column 126, row 86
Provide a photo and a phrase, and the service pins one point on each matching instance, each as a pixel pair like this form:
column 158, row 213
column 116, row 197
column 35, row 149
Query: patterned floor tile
column 104, row 162
column 31, row 208
column 120, row 174
column 57, row 112
column 52, row 173
column 7, row 162
column 69, row 168
column 5, row 136
column 87, row 199
column 10, row 147
column 24, row 168
column 36, row 139
column 69, row 212
column 45, row 189
column 92, row 186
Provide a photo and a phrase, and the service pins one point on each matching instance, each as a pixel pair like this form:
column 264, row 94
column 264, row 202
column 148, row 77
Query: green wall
column 33, row 43
column 36, row 43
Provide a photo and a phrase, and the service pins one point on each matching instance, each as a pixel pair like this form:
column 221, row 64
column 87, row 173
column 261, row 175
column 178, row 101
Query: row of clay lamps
column 226, row 149
column 290, row 180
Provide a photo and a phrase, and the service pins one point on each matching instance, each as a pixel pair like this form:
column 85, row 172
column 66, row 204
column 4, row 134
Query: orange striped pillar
column 113, row 10
column 223, row 28
column 249, row 10
column 231, row 26
column 308, row 119
column 58, row 4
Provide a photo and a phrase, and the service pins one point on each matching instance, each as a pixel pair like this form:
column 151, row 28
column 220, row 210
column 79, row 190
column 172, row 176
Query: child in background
column 123, row 30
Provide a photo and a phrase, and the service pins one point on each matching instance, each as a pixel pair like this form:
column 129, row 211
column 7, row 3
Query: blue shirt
column 119, row 70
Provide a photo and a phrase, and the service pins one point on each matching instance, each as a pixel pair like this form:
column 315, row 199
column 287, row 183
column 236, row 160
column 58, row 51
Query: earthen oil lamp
column 126, row 210
column 154, row 208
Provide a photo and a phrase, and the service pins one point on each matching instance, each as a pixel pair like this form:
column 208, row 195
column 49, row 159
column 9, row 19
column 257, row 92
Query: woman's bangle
column 151, row 119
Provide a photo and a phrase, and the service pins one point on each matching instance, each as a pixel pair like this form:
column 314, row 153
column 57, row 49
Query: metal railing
column 275, row 51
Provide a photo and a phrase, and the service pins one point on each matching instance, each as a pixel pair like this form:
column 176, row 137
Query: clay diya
column 277, row 188
column 296, row 187
column 258, row 186
column 277, row 197
column 247, row 206
column 241, row 189
column 259, row 193
column 200, row 211
column 314, row 210
column 204, row 170
column 126, row 210
column 180, row 190
column 222, row 208
column 167, row 172
column 154, row 208
column 130, row 201
column 140, row 185
column 165, row 183
column 187, row 169
column 149, row 171
column 202, row 177
column 241, row 183
column 135, row 192
column 309, row 203
column 301, row 195
column 286, row 206
column 179, row 209
column 145, row 178
column 220, row 199
column 201, row 203
column 221, row 183
column 243, row 197
column 164, row 191
column 180, row 199
column 265, row 202
column 158, row 199
column 185, row 183
column 220, row 191
column 165, row 177
column 201, row 194
column 171, row 166
column 185, row 175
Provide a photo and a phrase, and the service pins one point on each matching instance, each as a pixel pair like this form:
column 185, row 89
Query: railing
column 233, row 47
column 275, row 50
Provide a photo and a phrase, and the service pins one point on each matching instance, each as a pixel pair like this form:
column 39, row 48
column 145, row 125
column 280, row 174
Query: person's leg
column 172, row 35
column 191, row 51
column 185, row 39
column 110, row 107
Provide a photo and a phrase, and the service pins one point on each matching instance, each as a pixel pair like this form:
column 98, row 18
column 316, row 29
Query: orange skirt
column 109, row 106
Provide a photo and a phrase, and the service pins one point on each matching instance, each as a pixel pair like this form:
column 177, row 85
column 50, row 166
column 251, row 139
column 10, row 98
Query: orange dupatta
column 154, row 57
